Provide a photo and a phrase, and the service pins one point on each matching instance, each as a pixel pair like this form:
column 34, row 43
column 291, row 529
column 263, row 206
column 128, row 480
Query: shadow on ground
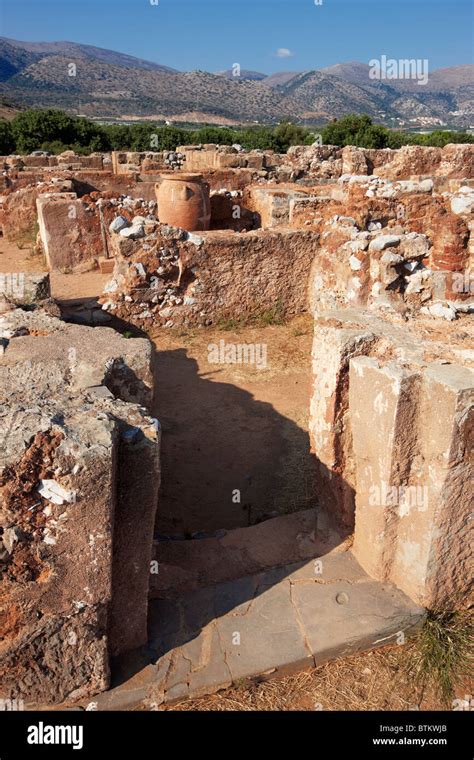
column 217, row 438
column 217, row 441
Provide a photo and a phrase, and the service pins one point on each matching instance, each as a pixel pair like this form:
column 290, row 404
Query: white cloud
column 284, row 53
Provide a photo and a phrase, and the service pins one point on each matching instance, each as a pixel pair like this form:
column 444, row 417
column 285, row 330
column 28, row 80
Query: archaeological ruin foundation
column 105, row 594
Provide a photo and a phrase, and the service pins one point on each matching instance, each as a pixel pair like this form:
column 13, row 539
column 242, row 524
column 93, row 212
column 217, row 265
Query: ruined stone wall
column 175, row 278
column 391, row 424
column 392, row 406
column 411, row 161
column 67, row 159
column 205, row 158
column 300, row 162
column 79, row 478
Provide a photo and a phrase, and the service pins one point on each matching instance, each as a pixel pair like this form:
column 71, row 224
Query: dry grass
column 377, row 680
column 445, row 651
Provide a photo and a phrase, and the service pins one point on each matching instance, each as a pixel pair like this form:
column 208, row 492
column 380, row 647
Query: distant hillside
column 8, row 108
column 73, row 50
column 112, row 84
column 439, row 80
column 326, row 96
column 253, row 76
column 280, row 78
column 103, row 89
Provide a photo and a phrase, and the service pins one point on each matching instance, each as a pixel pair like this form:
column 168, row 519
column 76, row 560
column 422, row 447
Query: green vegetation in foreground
column 443, row 655
column 57, row 131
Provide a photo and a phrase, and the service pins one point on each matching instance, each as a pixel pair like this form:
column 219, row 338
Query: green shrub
column 7, row 141
column 56, row 131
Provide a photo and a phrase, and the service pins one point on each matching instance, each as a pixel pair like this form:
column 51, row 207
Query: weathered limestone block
column 329, row 426
column 457, row 160
column 137, row 486
column 412, row 446
column 56, row 509
column 381, row 412
column 433, row 558
column 354, row 161
column 69, row 233
column 215, row 157
column 49, row 355
column 79, row 480
column 272, row 204
column 411, row 160
column 18, row 213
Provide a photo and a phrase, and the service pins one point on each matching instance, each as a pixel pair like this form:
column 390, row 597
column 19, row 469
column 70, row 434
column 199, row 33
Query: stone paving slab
column 198, row 563
column 283, row 620
column 267, row 625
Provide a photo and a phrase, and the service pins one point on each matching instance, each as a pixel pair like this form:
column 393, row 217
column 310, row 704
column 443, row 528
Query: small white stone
column 53, row 491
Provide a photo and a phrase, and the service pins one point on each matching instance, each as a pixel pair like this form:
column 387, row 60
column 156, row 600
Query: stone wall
column 175, row 278
column 391, row 423
column 203, row 158
column 79, row 479
column 70, row 231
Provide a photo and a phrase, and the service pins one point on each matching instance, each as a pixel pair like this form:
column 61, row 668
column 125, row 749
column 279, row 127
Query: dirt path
column 64, row 287
column 233, row 427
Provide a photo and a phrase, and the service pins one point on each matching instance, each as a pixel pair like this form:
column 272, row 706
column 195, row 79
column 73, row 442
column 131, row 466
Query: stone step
column 186, row 565
column 266, row 625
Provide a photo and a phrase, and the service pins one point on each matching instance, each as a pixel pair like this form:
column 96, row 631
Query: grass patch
column 444, row 652
column 229, row 323
column 272, row 316
column 27, row 238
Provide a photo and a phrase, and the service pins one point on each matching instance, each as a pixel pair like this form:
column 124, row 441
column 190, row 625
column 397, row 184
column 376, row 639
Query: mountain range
column 110, row 85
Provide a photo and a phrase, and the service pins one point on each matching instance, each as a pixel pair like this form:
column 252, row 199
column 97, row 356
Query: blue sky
column 214, row 34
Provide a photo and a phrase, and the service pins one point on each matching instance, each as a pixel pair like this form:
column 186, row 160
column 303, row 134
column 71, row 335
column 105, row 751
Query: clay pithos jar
column 183, row 201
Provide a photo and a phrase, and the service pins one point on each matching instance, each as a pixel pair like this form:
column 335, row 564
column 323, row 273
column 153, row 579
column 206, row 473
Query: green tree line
column 56, row 131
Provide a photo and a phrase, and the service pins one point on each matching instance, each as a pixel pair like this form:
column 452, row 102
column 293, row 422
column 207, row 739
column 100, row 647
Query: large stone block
column 25, row 288
column 383, row 437
column 433, row 558
column 137, row 486
column 56, row 510
column 45, row 356
column 69, row 233
column 412, row 444
column 79, row 480
column 329, row 425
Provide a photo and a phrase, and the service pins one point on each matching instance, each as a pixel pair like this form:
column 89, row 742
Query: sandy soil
column 233, row 426
column 64, row 287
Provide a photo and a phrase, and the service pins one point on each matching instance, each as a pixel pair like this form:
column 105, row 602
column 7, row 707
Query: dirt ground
column 64, row 287
column 226, row 427
column 229, row 427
